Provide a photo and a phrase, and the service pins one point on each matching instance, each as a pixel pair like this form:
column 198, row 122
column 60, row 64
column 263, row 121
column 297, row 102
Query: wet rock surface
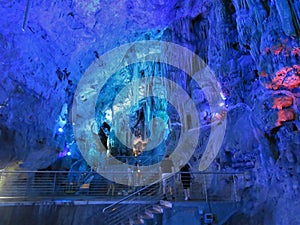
column 253, row 48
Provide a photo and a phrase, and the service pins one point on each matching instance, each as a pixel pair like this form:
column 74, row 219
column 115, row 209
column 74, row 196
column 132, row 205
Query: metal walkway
column 123, row 204
column 85, row 185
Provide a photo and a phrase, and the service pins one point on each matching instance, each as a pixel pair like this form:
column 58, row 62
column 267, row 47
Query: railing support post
column 205, row 188
column 234, row 188
column 54, row 183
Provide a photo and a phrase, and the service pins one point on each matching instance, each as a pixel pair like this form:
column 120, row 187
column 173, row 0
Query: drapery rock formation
column 253, row 47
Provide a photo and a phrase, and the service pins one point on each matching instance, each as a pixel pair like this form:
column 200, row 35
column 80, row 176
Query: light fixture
column 222, row 96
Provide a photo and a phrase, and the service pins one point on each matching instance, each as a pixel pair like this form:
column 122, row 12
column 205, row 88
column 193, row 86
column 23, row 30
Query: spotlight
column 222, row 96
column 221, row 104
column 69, row 153
column 60, row 130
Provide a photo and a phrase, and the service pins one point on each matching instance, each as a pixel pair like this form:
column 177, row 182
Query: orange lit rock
column 296, row 51
column 263, row 74
column 285, row 115
column 282, row 102
column 297, row 68
column 292, row 82
column 287, row 77
column 277, row 50
column 284, row 71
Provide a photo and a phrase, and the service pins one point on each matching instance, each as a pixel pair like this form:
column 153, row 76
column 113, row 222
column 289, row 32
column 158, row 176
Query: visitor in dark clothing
column 186, row 181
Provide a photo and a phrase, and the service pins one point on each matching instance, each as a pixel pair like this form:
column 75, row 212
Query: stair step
column 148, row 214
column 154, row 212
column 158, row 208
column 136, row 221
column 166, row 204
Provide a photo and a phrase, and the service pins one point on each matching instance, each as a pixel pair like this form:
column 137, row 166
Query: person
column 167, row 171
column 130, row 178
column 103, row 134
column 185, row 176
column 137, row 173
column 139, row 145
column 110, row 187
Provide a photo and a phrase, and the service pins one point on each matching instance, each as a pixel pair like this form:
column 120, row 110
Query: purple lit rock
column 245, row 43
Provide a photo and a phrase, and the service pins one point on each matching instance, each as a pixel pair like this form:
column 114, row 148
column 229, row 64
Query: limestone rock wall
column 252, row 46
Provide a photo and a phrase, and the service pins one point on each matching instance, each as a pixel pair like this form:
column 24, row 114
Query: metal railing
column 134, row 206
column 30, row 184
column 132, row 160
column 211, row 186
column 130, row 201
column 203, row 187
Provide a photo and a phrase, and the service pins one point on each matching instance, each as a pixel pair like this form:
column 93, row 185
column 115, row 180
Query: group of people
column 167, row 171
column 168, row 180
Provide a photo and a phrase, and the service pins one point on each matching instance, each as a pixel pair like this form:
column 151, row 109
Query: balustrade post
column 54, row 183
column 205, row 188
column 234, row 189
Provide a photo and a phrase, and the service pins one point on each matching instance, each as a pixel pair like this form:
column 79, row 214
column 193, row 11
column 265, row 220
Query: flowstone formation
column 253, row 48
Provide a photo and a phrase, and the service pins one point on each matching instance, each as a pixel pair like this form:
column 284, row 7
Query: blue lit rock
column 244, row 42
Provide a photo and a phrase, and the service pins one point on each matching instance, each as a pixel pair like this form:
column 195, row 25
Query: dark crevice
column 272, row 146
column 295, row 19
column 266, row 7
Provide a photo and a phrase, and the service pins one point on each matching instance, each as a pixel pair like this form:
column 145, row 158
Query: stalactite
column 238, row 41
column 295, row 13
column 285, row 12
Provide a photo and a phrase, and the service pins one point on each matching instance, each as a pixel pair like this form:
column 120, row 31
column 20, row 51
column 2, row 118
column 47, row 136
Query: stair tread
column 136, row 221
column 166, row 204
column 147, row 216
column 148, row 213
column 156, row 209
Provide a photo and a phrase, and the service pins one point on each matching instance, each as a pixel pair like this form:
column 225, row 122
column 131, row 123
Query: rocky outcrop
column 251, row 46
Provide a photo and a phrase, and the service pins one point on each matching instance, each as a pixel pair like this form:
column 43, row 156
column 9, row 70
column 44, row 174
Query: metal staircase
column 213, row 193
column 144, row 206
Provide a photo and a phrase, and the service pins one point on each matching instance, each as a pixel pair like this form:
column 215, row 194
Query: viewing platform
column 29, row 193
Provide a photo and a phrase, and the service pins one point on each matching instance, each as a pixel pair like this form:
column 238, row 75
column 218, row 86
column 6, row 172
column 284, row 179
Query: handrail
column 136, row 192
column 161, row 179
column 32, row 184
column 119, row 212
column 144, row 160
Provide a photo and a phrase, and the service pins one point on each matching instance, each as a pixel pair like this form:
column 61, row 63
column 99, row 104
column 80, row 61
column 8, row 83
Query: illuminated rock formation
column 251, row 46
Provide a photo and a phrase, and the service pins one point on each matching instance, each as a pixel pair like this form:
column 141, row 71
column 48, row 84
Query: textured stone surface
column 252, row 47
